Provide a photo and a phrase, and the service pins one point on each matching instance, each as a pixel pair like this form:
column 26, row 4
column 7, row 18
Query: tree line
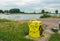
column 16, row 10
column 43, row 11
column 11, row 11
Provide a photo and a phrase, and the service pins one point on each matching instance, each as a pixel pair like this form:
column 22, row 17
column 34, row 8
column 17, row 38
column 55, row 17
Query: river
column 20, row 16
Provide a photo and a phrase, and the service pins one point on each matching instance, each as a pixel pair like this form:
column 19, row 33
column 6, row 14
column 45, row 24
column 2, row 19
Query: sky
column 31, row 5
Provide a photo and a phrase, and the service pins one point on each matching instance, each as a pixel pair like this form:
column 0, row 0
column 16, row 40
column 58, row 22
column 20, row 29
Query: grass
column 5, row 20
column 55, row 37
column 55, row 16
column 13, row 31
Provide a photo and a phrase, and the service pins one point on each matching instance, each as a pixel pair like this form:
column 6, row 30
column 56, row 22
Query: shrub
column 45, row 16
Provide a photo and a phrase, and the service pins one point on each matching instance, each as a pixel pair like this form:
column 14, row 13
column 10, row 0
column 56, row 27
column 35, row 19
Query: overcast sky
column 30, row 5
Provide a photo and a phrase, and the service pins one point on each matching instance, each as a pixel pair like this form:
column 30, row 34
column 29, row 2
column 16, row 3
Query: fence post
column 59, row 25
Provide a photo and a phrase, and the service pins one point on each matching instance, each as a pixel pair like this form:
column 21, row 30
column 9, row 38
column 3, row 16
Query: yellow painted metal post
column 34, row 28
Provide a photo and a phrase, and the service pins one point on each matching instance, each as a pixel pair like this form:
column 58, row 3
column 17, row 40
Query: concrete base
column 28, row 37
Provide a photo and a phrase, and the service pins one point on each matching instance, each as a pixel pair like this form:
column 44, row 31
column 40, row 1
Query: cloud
column 23, row 2
column 30, row 5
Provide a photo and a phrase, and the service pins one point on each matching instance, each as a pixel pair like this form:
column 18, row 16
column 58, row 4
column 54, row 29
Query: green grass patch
column 5, row 20
column 55, row 37
column 14, row 31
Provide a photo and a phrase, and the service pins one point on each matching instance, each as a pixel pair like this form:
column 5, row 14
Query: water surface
column 22, row 16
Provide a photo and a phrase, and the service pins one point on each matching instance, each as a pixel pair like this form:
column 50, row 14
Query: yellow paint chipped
column 34, row 27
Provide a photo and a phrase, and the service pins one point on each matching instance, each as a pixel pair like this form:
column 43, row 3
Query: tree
column 43, row 11
column 1, row 11
column 34, row 12
column 15, row 10
column 6, row 11
column 46, row 12
column 56, row 11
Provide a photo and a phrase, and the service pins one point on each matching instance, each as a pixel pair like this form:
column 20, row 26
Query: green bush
column 49, row 16
column 45, row 16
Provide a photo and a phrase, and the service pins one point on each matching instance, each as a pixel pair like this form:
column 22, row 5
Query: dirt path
column 50, row 22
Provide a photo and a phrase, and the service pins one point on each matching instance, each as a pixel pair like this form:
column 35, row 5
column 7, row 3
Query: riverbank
column 50, row 22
